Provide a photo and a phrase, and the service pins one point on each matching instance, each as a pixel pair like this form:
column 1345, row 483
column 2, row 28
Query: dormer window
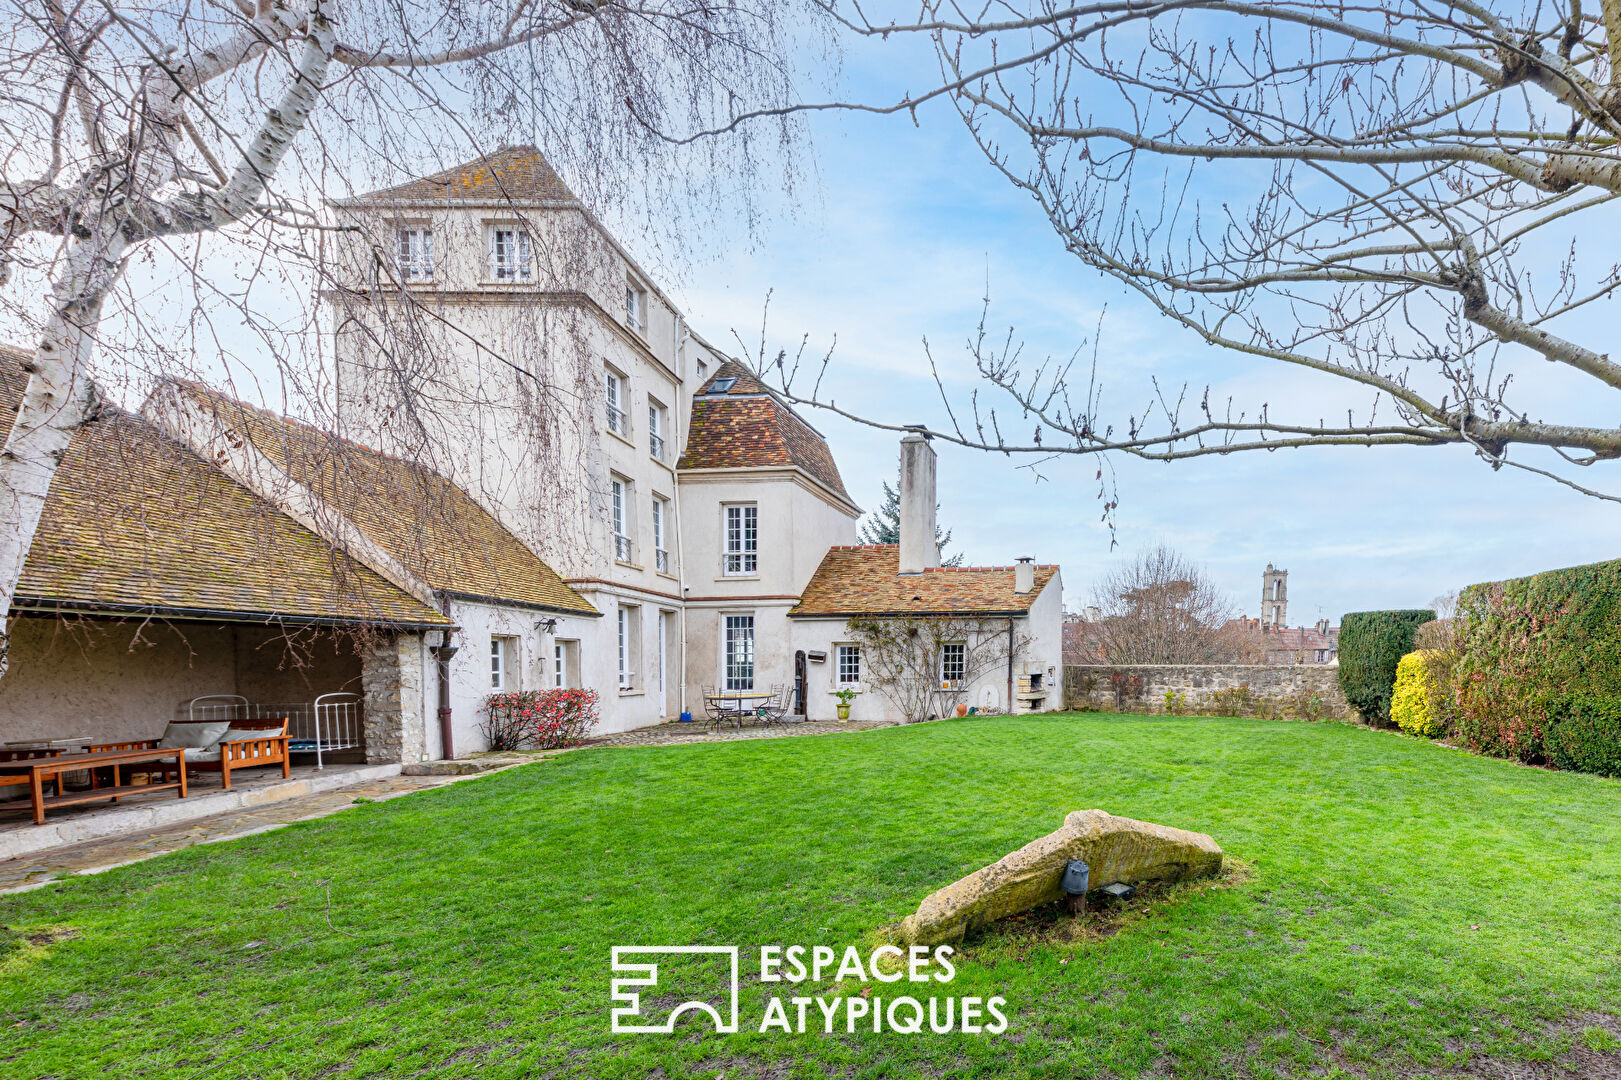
column 413, row 254
column 509, row 254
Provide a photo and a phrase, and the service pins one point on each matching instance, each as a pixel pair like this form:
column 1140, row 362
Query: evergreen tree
column 883, row 525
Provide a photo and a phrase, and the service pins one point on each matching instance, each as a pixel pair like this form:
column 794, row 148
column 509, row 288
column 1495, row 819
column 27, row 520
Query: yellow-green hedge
column 1420, row 702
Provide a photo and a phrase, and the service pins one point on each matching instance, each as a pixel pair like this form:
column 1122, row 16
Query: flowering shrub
column 539, row 719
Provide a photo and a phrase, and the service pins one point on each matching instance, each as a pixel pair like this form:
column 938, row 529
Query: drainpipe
column 1010, row 710
column 680, row 548
column 442, row 653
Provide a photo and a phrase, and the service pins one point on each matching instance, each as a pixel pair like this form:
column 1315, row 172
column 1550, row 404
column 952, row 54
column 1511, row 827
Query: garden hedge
column 1538, row 677
column 1372, row 643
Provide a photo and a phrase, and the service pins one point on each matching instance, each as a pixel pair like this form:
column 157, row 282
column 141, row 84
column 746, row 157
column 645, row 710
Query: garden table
column 39, row 771
column 736, row 704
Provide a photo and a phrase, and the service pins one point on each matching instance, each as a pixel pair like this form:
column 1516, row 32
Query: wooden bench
column 236, row 754
column 21, row 779
column 37, row 772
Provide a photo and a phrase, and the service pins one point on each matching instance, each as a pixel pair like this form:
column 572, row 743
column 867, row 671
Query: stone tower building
column 1274, row 598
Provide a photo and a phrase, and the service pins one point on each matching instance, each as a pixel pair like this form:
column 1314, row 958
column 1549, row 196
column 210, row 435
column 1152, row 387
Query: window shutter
column 523, row 253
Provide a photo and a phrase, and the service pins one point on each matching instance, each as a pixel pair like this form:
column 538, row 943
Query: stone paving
column 31, row 872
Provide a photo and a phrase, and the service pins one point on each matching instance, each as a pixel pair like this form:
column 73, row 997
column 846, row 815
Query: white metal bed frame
column 329, row 724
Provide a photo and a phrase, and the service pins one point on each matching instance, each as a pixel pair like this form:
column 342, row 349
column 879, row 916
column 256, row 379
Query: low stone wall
column 1308, row 691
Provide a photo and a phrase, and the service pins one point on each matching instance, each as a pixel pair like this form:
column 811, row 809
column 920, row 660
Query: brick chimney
column 918, row 548
column 1024, row 575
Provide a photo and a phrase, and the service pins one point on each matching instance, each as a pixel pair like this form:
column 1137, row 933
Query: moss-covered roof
column 425, row 522
column 136, row 523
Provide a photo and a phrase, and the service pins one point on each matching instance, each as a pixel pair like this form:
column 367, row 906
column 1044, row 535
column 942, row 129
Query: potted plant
column 845, row 697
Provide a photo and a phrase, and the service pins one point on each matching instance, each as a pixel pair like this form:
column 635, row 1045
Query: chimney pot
column 918, row 549
column 1024, row 575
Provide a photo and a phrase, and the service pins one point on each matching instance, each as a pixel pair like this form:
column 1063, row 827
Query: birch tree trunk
column 58, row 400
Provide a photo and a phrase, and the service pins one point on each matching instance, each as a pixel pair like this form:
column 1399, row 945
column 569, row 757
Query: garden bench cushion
column 267, row 732
column 193, row 736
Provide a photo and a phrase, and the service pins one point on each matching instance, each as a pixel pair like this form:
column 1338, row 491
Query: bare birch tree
column 1413, row 200
column 183, row 135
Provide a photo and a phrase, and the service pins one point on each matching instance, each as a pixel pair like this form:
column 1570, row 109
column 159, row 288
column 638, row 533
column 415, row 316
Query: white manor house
column 539, row 476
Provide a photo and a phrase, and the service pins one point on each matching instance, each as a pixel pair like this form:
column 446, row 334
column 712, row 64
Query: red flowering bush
column 539, row 719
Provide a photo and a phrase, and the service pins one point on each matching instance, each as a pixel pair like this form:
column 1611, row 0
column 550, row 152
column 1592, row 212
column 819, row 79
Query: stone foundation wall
column 391, row 681
column 1297, row 690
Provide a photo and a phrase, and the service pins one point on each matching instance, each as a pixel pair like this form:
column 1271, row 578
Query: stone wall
column 391, row 680
column 1300, row 690
column 109, row 680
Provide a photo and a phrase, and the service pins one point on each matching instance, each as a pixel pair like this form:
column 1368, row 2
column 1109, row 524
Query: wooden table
column 39, row 770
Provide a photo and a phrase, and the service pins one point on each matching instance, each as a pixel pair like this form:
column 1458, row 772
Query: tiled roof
column 428, row 524
column 136, row 522
column 518, row 173
column 865, row 579
column 746, row 427
column 1291, row 638
column 743, row 381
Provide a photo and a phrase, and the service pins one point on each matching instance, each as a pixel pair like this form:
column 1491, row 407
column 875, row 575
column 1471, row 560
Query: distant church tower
column 1274, row 598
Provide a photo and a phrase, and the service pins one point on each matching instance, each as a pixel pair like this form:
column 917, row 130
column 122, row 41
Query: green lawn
column 1402, row 910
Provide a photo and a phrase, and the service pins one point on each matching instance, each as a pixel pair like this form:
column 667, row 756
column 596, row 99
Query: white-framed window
column 656, row 415
column 847, row 665
column 565, row 663
column 635, row 307
column 503, row 656
column 739, row 652
column 953, row 664
column 620, row 498
column 742, row 539
column 413, row 253
column 630, row 637
column 618, row 419
column 703, row 369
column 509, row 254
column 661, row 525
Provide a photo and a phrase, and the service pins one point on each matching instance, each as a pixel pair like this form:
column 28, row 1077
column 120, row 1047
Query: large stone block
column 1115, row 848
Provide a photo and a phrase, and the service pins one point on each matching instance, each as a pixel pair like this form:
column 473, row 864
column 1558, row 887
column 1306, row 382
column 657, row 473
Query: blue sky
column 896, row 241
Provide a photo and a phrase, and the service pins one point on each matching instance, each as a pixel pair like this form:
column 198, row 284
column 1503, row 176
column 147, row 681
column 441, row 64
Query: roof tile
column 518, row 173
column 134, row 520
column 426, row 522
column 865, row 579
column 747, row 427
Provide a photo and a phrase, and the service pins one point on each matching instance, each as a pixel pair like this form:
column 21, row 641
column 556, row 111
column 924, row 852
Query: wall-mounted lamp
column 547, row 626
